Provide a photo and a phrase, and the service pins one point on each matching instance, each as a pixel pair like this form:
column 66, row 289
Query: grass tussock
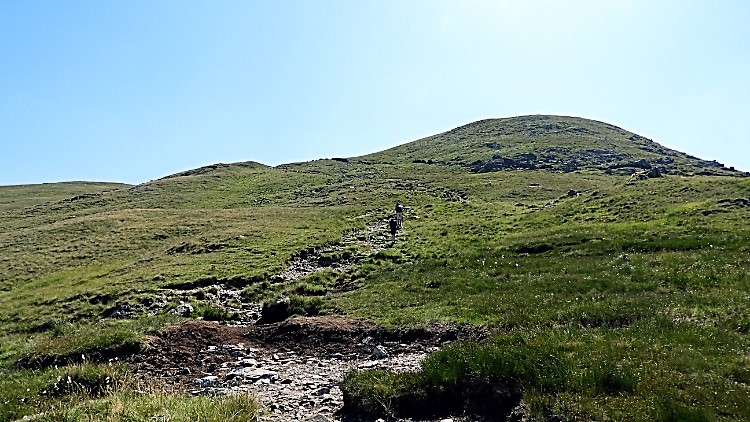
column 79, row 343
column 215, row 313
column 139, row 406
column 109, row 393
column 480, row 379
column 279, row 309
column 672, row 411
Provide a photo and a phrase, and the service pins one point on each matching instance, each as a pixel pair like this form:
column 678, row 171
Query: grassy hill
column 551, row 143
column 612, row 296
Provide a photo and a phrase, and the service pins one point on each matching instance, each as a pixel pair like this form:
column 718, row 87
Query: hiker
column 393, row 224
column 399, row 214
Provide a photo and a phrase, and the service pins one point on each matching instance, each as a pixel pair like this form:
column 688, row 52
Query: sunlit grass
column 109, row 393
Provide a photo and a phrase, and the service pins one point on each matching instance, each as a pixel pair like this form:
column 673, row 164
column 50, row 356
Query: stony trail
column 298, row 387
column 294, row 368
column 372, row 239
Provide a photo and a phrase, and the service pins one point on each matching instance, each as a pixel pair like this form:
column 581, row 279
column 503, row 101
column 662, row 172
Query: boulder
column 379, row 352
column 183, row 309
column 121, row 310
column 205, row 382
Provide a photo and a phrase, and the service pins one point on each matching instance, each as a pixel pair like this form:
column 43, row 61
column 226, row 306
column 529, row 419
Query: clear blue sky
column 134, row 90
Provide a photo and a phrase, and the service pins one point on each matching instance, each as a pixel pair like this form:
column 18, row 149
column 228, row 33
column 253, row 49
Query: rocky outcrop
column 523, row 161
column 654, row 172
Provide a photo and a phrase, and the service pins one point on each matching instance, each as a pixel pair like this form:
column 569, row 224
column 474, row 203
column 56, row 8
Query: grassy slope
column 25, row 196
column 644, row 276
column 556, row 143
column 648, row 279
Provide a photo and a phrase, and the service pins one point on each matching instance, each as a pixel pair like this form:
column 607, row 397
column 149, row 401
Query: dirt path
column 373, row 237
column 294, row 368
column 228, row 298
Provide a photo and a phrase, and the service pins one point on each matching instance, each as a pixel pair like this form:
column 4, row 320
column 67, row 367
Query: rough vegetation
column 610, row 272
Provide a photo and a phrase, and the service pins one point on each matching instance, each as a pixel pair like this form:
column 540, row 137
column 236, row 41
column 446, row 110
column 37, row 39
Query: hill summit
column 552, row 143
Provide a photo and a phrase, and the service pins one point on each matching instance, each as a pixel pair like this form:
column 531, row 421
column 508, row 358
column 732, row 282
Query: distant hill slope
column 553, row 143
column 20, row 196
column 214, row 167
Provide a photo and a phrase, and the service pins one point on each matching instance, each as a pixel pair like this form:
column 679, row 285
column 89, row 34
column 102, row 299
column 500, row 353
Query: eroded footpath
column 294, row 368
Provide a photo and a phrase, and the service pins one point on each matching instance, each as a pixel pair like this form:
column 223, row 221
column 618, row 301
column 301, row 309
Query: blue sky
column 130, row 91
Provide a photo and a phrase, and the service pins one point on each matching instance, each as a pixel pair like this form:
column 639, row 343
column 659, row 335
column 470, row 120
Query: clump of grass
column 392, row 255
column 309, row 289
column 109, row 393
column 510, row 361
column 483, row 379
column 81, row 343
column 672, row 411
column 214, row 313
column 610, row 315
column 134, row 406
column 364, row 269
column 609, row 379
column 256, row 292
column 57, row 327
column 27, row 392
column 286, row 306
column 87, row 380
column 316, row 284
column 377, row 393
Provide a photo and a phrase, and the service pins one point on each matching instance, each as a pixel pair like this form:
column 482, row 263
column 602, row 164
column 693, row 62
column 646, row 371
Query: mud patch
column 177, row 354
column 328, row 335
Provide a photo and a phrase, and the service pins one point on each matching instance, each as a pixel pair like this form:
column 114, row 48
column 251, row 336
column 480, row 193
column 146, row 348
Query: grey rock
column 318, row 418
column 206, row 382
column 184, row 309
column 234, row 381
column 379, row 352
column 367, row 365
column 248, row 362
column 258, row 373
column 121, row 310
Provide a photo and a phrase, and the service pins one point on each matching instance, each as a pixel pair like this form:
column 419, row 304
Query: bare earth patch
column 293, row 367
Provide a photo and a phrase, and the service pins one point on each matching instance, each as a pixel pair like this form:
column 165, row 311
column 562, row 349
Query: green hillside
column 551, row 143
column 610, row 296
